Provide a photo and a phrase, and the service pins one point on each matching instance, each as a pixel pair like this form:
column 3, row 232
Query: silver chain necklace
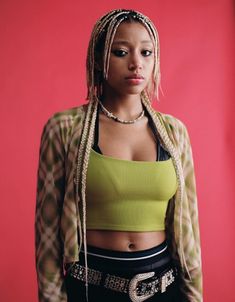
column 117, row 119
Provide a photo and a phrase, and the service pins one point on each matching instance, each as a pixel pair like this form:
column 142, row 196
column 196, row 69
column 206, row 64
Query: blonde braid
column 82, row 145
column 97, row 30
column 83, row 180
column 78, row 169
column 109, row 40
column 167, row 143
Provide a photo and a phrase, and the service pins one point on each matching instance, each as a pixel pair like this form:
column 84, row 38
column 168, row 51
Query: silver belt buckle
column 133, row 287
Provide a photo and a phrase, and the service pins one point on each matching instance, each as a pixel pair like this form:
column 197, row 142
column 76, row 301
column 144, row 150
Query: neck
column 125, row 107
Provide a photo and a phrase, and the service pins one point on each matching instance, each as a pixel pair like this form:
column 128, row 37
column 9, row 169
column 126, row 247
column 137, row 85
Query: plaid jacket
column 57, row 218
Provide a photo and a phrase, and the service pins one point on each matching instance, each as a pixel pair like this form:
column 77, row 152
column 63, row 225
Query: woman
column 116, row 216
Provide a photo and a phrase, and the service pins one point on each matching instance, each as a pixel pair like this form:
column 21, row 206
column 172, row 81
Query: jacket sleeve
column 192, row 286
column 49, row 202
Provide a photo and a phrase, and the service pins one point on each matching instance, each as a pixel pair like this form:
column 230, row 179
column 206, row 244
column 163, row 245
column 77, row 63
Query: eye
column 119, row 52
column 147, row 53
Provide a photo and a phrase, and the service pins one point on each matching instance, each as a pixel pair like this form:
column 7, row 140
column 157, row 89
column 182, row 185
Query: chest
column 131, row 142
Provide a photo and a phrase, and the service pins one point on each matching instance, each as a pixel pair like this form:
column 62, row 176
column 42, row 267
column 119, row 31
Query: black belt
column 138, row 289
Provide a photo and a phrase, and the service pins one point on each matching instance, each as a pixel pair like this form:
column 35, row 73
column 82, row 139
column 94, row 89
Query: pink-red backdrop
column 42, row 53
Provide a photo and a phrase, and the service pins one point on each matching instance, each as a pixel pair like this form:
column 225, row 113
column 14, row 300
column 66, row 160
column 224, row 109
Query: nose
column 135, row 62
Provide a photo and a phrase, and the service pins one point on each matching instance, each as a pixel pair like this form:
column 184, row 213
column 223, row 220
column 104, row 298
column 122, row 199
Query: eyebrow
column 127, row 43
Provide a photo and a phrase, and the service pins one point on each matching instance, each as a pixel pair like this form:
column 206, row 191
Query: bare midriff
column 124, row 241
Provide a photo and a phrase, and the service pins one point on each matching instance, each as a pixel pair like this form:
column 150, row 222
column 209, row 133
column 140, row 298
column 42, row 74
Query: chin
column 135, row 91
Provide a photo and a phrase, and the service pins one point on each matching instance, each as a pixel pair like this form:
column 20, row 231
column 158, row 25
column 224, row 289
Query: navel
column 131, row 246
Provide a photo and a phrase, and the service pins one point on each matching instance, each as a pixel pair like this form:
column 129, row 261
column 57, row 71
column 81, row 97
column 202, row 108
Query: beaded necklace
column 117, row 119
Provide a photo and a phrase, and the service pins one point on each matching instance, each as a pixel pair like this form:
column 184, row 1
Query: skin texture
column 131, row 53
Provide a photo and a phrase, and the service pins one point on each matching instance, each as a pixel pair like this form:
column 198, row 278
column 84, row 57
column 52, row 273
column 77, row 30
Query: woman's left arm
column 191, row 235
column 191, row 286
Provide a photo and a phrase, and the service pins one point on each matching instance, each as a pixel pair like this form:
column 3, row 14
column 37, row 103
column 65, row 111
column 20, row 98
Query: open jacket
column 57, row 221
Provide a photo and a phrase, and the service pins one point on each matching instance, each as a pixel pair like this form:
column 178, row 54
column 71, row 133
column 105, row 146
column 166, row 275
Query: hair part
column 99, row 49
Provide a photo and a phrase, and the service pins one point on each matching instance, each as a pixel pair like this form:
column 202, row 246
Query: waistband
column 127, row 256
column 156, row 258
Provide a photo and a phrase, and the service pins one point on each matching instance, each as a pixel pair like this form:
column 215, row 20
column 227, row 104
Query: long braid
column 83, row 180
column 79, row 163
column 109, row 40
column 164, row 137
column 97, row 31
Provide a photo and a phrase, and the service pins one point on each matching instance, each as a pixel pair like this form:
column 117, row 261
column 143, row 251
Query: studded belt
column 138, row 288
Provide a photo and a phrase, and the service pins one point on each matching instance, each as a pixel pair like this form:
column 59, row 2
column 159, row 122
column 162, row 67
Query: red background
column 42, row 53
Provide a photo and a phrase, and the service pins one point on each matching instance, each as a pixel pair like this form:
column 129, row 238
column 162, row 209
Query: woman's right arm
column 49, row 203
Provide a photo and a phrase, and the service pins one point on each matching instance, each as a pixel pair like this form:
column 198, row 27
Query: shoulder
column 66, row 119
column 171, row 121
column 175, row 128
column 61, row 125
column 69, row 116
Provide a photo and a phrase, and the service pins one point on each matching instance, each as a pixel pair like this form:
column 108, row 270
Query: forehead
column 132, row 32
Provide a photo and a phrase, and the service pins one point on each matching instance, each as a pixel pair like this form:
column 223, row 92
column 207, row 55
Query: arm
column 49, row 202
column 192, row 288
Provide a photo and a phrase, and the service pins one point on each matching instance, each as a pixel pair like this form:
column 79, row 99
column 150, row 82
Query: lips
column 135, row 76
column 134, row 80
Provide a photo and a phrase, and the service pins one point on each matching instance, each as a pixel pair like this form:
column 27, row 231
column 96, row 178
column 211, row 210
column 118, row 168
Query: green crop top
column 125, row 195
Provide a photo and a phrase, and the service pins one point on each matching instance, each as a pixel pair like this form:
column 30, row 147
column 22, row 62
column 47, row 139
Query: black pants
column 125, row 265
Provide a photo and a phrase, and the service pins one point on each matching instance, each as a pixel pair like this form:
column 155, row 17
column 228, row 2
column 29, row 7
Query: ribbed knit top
column 124, row 195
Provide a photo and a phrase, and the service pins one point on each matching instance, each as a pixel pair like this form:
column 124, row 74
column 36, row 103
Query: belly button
column 131, row 246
